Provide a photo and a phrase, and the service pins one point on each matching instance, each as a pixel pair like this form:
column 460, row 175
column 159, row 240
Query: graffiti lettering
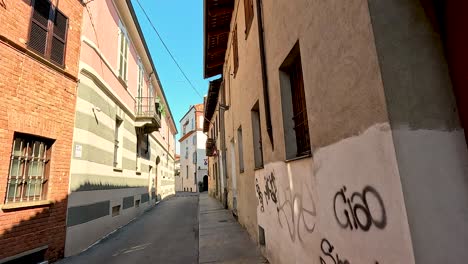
column 355, row 210
column 291, row 211
column 271, row 192
column 260, row 196
column 327, row 250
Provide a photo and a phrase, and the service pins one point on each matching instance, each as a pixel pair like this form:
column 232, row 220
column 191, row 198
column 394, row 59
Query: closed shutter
column 57, row 50
column 39, row 26
column 301, row 125
column 248, row 11
column 123, row 54
column 235, row 50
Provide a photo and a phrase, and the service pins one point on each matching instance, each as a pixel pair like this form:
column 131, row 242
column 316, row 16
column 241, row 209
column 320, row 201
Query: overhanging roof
column 217, row 22
column 210, row 102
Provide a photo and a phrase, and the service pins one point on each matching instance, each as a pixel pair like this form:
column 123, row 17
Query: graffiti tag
column 327, row 250
column 260, row 196
column 271, row 192
column 354, row 213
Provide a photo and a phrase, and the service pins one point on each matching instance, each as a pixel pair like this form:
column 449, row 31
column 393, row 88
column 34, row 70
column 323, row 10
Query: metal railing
column 147, row 107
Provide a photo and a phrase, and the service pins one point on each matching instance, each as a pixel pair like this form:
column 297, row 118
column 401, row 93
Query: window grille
column 29, row 169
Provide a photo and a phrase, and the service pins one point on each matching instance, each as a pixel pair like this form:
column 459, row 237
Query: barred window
column 295, row 121
column 29, row 169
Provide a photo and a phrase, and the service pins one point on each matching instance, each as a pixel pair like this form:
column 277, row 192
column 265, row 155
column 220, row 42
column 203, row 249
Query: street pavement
column 167, row 233
column 186, row 228
column 222, row 238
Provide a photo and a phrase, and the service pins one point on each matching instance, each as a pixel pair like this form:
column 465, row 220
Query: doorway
column 205, row 183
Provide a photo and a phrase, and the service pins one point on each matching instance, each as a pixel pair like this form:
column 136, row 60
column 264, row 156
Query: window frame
column 122, row 35
column 257, row 142
column 292, row 82
column 49, row 34
column 24, row 160
column 118, row 145
column 240, row 149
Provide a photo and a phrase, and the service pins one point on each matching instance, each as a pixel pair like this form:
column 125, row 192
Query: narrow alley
column 167, row 233
column 233, row 131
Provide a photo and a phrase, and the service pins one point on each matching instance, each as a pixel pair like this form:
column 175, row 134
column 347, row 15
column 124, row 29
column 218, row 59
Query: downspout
column 222, row 109
column 266, row 97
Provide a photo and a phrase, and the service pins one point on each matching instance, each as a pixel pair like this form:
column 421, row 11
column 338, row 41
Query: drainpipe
column 222, row 109
column 266, row 97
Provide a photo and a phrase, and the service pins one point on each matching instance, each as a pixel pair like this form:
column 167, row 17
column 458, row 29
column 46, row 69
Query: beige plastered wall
column 301, row 207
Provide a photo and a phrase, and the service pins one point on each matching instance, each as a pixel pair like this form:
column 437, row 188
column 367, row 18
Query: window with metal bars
column 249, row 14
column 295, row 121
column 29, row 169
column 48, row 31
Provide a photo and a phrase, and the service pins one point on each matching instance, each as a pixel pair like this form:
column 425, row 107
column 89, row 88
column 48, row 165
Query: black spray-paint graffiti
column 271, row 192
column 260, row 196
column 291, row 211
column 292, row 203
column 355, row 213
column 327, row 250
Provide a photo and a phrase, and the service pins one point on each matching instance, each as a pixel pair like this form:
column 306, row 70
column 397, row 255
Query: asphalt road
column 168, row 233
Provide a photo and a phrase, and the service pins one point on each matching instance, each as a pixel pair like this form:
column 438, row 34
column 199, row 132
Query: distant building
column 177, row 179
column 124, row 135
column 215, row 148
column 337, row 130
column 193, row 161
column 39, row 59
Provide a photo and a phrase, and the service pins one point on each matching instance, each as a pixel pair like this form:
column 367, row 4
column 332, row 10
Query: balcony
column 147, row 114
column 210, row 147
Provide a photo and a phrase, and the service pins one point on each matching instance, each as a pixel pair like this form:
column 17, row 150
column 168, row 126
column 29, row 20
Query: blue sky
column 180, row 24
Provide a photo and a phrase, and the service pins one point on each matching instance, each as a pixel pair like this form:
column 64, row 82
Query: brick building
column 39, row 54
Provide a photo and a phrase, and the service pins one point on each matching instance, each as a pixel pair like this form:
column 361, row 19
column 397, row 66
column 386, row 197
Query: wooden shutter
column 248, row 12
column 123, row 54
column 59, row 38
column 39, row 26
column 235, row 50
column 301, row 125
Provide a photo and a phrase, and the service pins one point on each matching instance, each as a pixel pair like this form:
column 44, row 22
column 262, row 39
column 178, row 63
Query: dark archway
column 205, row 183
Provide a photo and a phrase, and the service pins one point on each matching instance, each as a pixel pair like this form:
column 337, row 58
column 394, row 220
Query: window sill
column 118, row 169
column 259, row 168
column 38, row 57
column 299, row 158
column 123, row 82
column 21, row 205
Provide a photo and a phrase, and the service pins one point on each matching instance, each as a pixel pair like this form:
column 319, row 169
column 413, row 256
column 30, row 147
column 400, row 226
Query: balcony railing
column 148, row 116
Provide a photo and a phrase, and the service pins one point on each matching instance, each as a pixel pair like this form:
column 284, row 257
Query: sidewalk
column 221, row 237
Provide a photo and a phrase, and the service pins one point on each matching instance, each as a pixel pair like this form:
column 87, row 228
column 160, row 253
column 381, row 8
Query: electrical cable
column 168, row 51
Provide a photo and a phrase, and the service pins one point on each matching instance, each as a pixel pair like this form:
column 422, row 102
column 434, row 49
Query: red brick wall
column 36, row 99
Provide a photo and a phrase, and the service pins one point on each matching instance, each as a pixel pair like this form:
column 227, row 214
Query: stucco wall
column 350, row 135
column 429, row 141
column 304, row 215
